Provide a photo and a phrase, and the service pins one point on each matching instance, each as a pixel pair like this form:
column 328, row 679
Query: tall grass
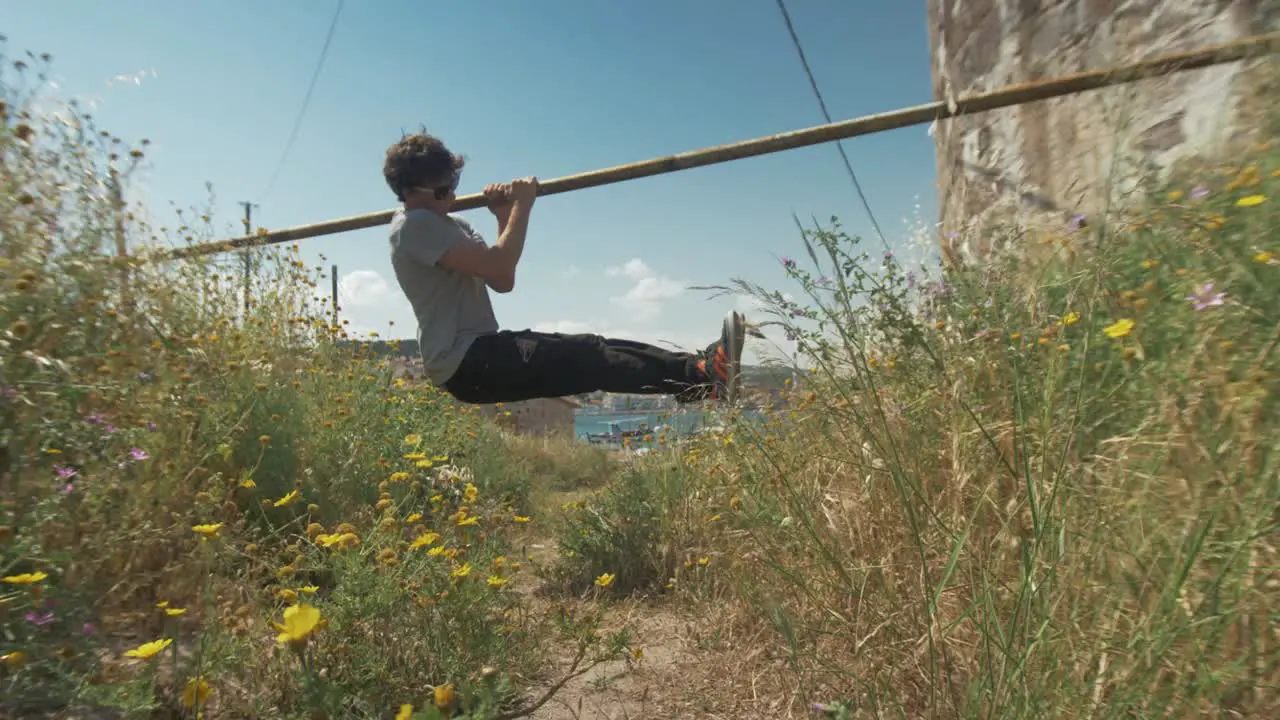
column 1042, row 488
column 1047, row 487
column 214, row 512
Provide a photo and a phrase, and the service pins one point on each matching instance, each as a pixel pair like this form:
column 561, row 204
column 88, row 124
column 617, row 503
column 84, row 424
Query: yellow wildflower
column 25, row 578
column 175, row 612
column 146, row 651
column 461, row 571
column 1120, row 328
column 519, row 519
column 436, row 551
column 300, row 622
column 308, row 590
column 397, row 477
column 339, row 540
column 605, row 580
column 424, row 540
column 1263, row 257
column 469, row 493
column 444, row 696
column 293, row 495
column 406, row 712
column 1251, row 200
column 1070, row 318
column 287, row 595
column 468, row 521
column 13, row 659
column 413, row 518
column 495, row 581
column 196, row 692
column 208, row 531
column 413, row 439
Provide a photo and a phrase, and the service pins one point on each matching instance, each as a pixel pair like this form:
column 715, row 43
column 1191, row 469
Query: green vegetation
column 1045, row 488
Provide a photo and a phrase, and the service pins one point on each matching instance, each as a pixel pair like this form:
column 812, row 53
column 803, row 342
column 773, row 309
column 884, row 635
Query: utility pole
column 333, row 276
column 247, row 257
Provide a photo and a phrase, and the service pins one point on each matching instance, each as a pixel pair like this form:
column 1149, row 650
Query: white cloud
column 364, row 289
column 634, row 268
column 571, row 272
column 367, row 303
column 566, row 327
column 648, row 291
column 748, row 305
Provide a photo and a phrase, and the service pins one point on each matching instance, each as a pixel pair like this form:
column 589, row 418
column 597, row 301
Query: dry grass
column 993, row 498
column 990, row 497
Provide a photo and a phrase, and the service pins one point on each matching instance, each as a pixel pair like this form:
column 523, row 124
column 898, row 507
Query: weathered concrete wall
column 1050, row 160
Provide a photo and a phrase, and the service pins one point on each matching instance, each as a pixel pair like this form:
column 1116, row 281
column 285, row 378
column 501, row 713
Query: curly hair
column 419, row 160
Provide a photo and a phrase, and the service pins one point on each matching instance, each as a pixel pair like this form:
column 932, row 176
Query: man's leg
column 512, row 366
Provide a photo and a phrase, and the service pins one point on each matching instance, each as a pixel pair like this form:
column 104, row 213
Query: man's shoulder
column 462, row 223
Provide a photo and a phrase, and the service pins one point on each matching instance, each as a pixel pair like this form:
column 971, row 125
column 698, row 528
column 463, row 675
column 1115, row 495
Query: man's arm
column 495, row 265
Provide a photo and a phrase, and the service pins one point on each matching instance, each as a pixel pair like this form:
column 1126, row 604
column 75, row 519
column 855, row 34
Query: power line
column 813, row 83
column 306, row 100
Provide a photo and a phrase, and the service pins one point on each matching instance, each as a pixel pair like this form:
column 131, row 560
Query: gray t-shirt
column 452, row 308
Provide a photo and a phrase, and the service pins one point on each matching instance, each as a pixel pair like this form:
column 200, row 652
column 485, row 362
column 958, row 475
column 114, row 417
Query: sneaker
column 721, row 360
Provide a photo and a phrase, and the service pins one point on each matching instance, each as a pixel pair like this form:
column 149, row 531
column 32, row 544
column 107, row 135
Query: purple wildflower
column 788, row 263
column 1199, row 192
column 110, row 428
column 1205, row 297
column 65, row 472
column 95, row 419
column 151, row 426
column 823, row 281
column 138, row 454
column 88, row 628
column 66, row 489
column 1078, row 222
column 39, row 619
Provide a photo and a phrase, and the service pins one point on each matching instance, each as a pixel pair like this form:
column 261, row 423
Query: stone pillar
column 1045, row 162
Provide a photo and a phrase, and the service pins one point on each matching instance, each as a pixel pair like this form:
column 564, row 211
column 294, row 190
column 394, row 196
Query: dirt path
column 683, row 672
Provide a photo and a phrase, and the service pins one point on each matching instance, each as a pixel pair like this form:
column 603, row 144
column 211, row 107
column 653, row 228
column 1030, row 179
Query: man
column 446, row 271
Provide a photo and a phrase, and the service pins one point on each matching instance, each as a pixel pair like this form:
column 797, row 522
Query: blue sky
column 546, row 88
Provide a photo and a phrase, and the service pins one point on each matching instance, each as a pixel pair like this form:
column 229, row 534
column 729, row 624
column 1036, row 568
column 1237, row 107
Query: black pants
column 511, row 366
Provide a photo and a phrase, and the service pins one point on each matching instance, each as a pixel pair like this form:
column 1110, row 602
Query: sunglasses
column 443, row 192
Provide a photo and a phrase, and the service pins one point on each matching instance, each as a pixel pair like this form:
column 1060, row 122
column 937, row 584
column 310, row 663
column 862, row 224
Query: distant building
column 542, row 417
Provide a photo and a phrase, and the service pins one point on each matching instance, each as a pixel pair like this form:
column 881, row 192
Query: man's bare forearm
column 511, row 233
column 504, row 219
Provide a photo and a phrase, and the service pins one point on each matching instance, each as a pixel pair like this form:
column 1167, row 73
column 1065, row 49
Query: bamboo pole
column 1253, row 47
